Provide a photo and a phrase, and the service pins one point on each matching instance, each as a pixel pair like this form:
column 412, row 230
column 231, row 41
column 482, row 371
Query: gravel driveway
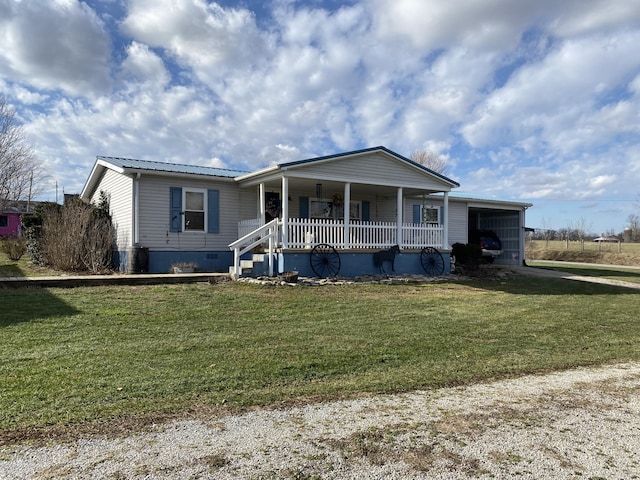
column 582, row 423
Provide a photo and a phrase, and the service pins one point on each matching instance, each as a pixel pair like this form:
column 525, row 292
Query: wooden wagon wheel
column 325, row 261
column 432, row 261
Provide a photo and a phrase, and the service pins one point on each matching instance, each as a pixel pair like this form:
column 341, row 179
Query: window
column 194, row 210
column 4, row 221
column 431, row 214
column 327, row 209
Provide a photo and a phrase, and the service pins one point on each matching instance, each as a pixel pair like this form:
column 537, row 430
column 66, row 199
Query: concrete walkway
column 70, row 281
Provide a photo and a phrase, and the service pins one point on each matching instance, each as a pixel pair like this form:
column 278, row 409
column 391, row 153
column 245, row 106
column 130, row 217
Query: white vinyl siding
column 119, row 190
column 155, row 231
column 375, row 169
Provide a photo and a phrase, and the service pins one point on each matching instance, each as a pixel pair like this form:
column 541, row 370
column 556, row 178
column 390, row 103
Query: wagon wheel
column 325, row 261
column 432, row 261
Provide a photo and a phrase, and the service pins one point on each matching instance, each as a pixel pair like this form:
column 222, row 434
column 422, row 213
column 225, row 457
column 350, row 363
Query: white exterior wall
column 154, row 212
column 119, row 189
column 375, row 169
column 458, row 217
column 458, row 222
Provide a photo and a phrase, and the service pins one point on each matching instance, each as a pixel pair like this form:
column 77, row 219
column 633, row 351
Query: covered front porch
column 356, row 203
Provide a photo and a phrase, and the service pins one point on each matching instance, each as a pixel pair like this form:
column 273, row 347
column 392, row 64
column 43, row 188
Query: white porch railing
column 306, row 232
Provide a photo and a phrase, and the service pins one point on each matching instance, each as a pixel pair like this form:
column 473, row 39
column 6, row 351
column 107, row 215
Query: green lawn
column 69, row 356
column 23, row 268
column 619, row 272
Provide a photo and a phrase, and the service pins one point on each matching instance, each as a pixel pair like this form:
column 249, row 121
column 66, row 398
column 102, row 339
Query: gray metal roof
column 130, row 163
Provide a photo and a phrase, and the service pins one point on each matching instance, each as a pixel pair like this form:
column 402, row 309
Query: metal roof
column 148, row 165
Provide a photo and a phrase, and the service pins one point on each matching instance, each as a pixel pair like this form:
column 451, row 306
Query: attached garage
column 506, row 219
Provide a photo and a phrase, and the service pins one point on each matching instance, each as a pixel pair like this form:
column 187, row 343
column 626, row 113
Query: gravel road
column 582, row 423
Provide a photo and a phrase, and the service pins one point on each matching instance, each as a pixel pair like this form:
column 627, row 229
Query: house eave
column 295, row 169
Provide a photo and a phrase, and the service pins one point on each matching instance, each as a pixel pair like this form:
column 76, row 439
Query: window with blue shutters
column 194, row 210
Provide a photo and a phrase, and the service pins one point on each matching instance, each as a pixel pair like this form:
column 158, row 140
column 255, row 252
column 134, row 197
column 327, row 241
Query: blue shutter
column 417, row 217
column 304, row 207
column 213, row 211
column 175, row 209
column 365, row 211
column 441, row 215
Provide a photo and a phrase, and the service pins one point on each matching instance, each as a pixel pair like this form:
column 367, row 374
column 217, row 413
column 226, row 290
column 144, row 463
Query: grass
column 587, row 252
column 72, row 356
column 626, row 274
column 24, row 268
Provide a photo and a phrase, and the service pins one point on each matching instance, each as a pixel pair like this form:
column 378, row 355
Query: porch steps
column 246, row 266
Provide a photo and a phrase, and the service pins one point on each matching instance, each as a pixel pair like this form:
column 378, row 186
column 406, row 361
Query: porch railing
column 306, row 232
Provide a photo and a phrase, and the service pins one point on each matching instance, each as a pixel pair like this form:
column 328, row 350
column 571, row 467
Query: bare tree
column 19, row 171
column 431, row 160
column 634, row 224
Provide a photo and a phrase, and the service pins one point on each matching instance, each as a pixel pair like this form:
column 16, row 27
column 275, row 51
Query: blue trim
column 417, row 217
column 208, row 261
column 354, row 264
column 213, row 211
column 366, row 209
column 304, row 207
column 175, row 209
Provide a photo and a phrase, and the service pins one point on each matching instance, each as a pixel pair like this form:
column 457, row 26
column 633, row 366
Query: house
column 293, row 214
column 10, row 217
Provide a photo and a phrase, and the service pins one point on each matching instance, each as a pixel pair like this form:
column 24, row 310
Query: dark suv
column 489, row 243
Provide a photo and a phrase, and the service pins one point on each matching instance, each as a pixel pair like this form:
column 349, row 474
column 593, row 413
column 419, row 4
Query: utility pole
column 29, row 197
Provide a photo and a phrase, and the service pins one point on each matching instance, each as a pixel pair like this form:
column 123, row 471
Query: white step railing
column 267, row 232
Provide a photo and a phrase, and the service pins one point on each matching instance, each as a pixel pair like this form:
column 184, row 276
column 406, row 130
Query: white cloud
column 60, row 44
column 143, row 66
column 202, row 36
column 554, row 97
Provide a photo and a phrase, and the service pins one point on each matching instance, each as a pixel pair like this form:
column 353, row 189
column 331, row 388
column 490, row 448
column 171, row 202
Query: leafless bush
column 77, row 237
column 13, row 247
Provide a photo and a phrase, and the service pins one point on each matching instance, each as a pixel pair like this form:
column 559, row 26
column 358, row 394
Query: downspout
column 136, row 210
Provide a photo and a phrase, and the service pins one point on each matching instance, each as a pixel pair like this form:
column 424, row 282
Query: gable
column 375, row 168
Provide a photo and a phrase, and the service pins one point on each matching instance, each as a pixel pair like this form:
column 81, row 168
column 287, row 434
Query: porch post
column 261, row 203
column 399, row 239
column 347, row 219
column 285, row 212
column 445, row 222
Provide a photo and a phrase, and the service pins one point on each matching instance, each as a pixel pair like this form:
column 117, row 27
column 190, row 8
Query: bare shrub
column 13, row 247
column 77, row 237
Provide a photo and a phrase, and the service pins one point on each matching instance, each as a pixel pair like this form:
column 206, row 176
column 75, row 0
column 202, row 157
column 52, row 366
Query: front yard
column 88, row 356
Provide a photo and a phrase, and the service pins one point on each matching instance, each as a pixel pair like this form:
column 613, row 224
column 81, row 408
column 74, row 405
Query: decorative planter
column 183, row 269
column 289, row 277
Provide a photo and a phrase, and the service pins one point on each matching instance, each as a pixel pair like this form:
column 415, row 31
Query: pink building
column 9, row 223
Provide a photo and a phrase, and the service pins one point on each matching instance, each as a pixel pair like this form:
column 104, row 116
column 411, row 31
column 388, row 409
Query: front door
column 273, row 206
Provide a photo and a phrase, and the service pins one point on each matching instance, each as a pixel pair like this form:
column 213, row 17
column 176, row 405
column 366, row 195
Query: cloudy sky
column 535, row 101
